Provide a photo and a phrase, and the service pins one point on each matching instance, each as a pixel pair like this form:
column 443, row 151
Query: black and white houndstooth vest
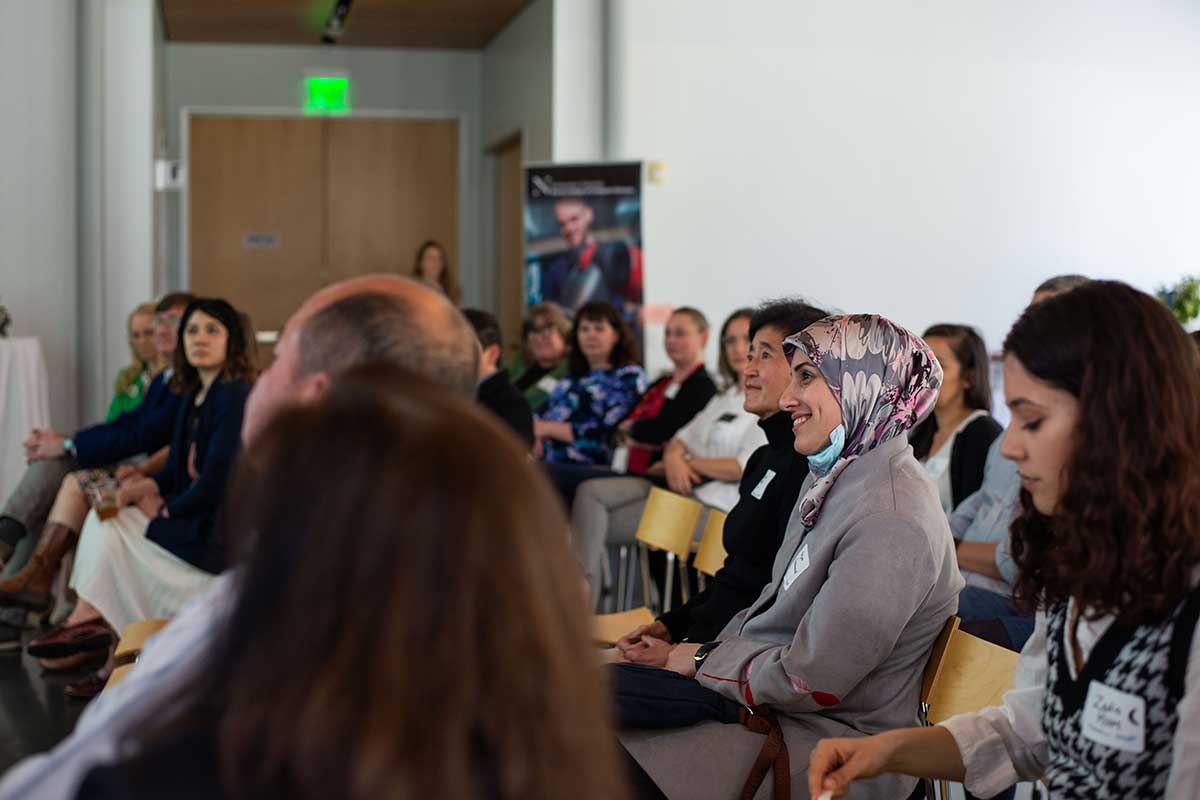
column 1149, row 661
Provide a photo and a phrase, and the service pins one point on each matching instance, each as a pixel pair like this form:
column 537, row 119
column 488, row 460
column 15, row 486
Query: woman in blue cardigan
column 162, row 547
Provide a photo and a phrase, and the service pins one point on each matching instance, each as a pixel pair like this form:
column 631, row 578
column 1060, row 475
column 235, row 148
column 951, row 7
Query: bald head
column 374, row 318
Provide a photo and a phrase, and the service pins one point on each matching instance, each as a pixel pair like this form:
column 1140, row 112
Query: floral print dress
column 593, row 404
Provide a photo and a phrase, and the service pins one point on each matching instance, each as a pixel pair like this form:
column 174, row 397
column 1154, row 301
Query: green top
column 537, row 392
column 130, row 399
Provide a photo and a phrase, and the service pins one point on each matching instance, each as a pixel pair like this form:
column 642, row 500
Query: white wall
column 518, row 69
column 930, row 161
column 414, row 81
column 579, row 79
column 517, row 97
column 37, row 188
column 117, row 76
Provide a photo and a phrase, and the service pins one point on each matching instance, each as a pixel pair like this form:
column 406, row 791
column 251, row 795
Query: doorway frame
column 491, row 290
column 185, row 123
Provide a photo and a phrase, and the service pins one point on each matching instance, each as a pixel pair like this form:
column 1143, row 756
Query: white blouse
column 722, row 429
column 938, row 464
column 1003, row 745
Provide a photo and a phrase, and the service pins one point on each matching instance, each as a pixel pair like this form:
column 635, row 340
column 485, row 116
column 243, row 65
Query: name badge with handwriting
column 796, row 568
column 1114, row 718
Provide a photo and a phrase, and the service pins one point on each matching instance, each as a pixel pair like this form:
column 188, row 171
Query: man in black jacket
column 496, row 392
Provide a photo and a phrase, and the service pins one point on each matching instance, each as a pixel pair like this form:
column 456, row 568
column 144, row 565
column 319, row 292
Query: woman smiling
column 861, row 586
column 1106, row 439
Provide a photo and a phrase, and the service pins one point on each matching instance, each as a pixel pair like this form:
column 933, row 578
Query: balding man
column 376, row 318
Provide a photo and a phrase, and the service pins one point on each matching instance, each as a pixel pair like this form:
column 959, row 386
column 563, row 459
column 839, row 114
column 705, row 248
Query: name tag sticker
column 759, row 490
column 672, row 390
column 796, row 568
column 1114, row 718
column 620, row 459
column 547, row 384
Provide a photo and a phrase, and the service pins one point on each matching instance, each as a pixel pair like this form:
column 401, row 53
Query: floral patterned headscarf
column 885, row 378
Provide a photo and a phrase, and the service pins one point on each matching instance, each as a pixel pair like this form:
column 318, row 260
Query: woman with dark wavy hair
column 159, row 545
column 1104, row 388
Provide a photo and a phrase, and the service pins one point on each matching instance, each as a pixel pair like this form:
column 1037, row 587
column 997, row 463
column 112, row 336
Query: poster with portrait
column 583, row 236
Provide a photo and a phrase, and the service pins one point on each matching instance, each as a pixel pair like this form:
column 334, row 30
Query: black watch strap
column 703, row 651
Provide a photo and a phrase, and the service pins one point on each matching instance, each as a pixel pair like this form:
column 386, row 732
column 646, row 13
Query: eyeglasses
column 170, row 320
column 540, row 329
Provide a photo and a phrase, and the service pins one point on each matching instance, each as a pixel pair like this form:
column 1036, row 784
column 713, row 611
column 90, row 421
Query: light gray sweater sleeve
column 883, row 571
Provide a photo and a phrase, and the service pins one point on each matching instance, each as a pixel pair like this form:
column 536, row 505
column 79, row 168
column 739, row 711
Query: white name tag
column 762, row 485
column 1114, row 718
column 547, row 384
column 672, row 390
column 796, row 568
column 620, row 459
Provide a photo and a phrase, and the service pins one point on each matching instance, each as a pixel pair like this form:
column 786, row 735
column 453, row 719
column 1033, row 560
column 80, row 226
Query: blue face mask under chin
column 822, row 462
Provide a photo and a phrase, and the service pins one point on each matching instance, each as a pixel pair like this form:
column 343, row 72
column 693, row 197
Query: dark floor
column 34, row 713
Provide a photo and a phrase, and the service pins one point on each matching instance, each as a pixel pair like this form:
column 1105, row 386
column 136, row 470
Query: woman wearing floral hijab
column 862, row 584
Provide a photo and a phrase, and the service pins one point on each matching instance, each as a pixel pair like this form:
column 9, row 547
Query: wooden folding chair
column 710, row 557
column 134, row 638
column 668, row 523
column 964, row 674
column 130, row 647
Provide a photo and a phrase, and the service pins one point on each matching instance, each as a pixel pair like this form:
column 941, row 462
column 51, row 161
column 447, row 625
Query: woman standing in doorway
column 432, row 266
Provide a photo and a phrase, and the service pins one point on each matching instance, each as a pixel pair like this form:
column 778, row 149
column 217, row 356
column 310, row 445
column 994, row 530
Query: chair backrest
column 118, row 674
column 937, row 657
column 711, row 555
column 669, row 522
column 965, row 674
column 134, row 637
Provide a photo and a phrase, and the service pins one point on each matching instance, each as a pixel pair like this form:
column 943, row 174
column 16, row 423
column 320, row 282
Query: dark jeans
column 980, row 605
column 567, row 477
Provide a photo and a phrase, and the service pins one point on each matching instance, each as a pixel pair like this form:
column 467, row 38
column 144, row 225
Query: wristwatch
column 69, row 446
column 703, row 652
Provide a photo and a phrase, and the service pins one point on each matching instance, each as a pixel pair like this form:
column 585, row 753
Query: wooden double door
column 279, row 206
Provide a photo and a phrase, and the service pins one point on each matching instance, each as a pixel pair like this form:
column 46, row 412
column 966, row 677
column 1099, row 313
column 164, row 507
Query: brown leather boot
column 30, row 587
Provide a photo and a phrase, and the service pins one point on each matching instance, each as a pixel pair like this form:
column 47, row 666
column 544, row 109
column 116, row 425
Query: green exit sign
column 326, row 95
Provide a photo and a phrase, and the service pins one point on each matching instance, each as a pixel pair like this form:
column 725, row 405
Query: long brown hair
column 1125, row 537
column 239, row 363
column 448, row 280
column 410, row 621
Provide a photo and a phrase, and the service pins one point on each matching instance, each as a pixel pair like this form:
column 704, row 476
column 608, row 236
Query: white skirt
column 126, row 576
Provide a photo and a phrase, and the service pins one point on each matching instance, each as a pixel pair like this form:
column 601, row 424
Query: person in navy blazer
column 158, row 551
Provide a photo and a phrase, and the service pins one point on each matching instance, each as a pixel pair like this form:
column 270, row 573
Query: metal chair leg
column 644, row 561
column 683, row 579
column 702, row 581
column 607, row 585
column 622, row 576
column 630, row 583
column 668, row 593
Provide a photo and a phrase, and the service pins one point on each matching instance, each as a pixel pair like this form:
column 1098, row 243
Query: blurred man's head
column 166, row 321
column 487, row 329
column 1057, row 285
column 574, row 220
column 374, row 318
